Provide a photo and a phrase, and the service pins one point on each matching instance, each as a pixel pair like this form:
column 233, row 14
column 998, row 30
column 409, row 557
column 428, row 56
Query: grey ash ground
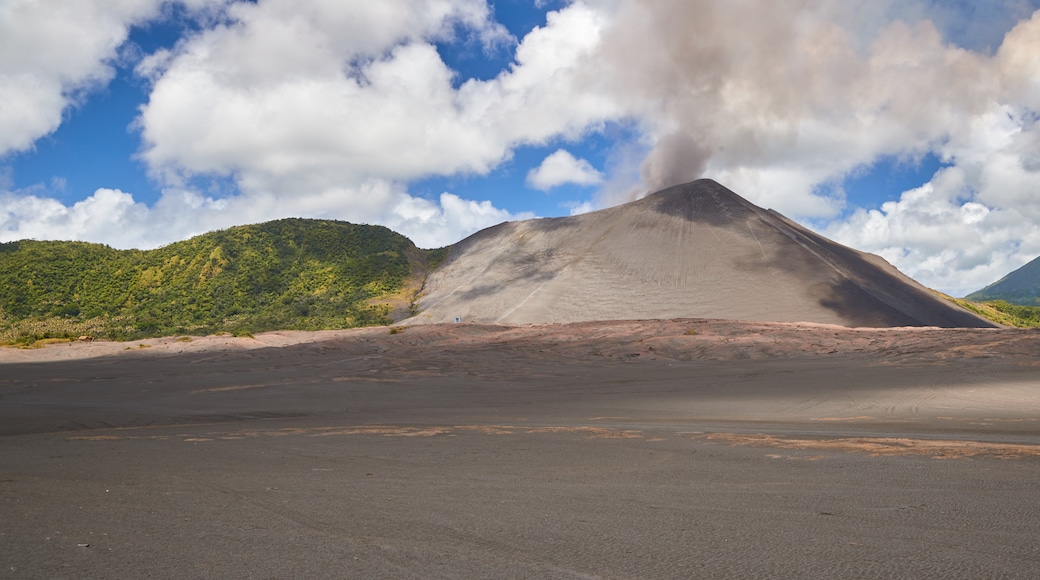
column 646, row 449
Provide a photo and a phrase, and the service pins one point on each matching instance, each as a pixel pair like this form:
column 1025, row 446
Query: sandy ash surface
column 632, row 449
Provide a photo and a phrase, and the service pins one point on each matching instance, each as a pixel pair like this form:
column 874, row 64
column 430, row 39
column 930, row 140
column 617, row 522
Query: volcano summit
column 696, row 250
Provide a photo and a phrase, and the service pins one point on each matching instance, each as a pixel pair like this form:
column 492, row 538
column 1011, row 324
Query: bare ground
column 664, row 448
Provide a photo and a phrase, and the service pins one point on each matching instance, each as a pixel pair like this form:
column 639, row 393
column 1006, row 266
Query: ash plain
column 622, row 449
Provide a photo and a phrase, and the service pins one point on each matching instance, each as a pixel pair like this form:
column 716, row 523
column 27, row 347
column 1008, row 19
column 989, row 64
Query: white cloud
column 54, row 52
column 285, row 98
column 113, row 217
column 973, row 222
column 107, row 216
column 313, row 102
column 979, row 219
column 932, row 235
column 562, row 167
column 49, row 53
column 432, row 225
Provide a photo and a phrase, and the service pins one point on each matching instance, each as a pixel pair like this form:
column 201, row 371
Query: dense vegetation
column 1013, row 300
column 287, row 274
column 1003, row 312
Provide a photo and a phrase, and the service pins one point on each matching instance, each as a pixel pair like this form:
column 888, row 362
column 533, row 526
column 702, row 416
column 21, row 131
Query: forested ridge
column 287, row 274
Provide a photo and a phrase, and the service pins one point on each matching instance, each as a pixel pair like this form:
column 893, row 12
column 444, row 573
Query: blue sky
column 906, row 129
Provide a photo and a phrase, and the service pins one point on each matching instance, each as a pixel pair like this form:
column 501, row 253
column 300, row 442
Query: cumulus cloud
column 303, row 106
column 432, row 225
column 54, row 52
column 104, row 217
column 976, row 220
column 50, row 52
column 114, row 218
column 562, row 167
column 289, row 97
column 932, row 234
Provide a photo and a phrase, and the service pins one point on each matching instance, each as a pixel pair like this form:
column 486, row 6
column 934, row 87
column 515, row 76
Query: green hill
column 1002, row 312
column 1020, row 287
column 286, row 274
column 1013, row 300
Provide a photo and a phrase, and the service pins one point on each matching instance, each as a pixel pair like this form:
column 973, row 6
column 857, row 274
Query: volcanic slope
column 691, row 251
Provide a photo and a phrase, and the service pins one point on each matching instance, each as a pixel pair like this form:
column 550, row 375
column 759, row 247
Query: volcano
column 696, row 250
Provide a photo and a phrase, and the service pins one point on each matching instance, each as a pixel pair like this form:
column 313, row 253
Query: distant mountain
column 694, row 250
column 1019, row 287
column 286, row 274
